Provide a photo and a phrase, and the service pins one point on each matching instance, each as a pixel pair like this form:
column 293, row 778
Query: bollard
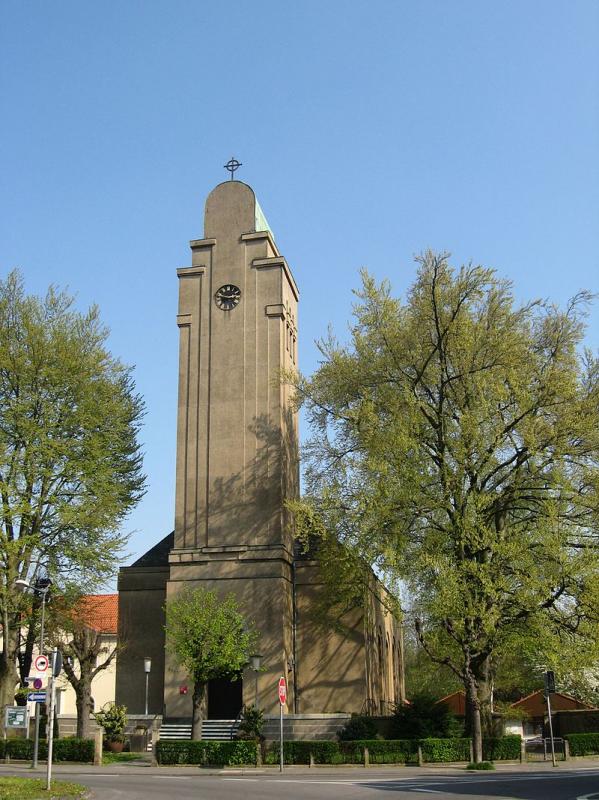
column 98, row 747
column 522, row 751
column 154, row 753
column 471, row 751
column 420, row 758
column 366, row 757
column 566, row 749
column 258, row 754
column 311, row 764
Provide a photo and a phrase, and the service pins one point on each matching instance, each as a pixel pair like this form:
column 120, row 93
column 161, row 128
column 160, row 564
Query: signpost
column 282, row 701
column 550, row 687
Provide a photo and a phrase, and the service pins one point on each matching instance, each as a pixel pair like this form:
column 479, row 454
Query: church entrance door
column 225, row 698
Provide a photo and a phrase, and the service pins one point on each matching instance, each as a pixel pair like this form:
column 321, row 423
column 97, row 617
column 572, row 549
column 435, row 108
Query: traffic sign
column 282, row 691
column 37, row 697
column 41, row 663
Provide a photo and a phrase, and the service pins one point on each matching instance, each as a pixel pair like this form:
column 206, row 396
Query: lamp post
column 255, row 664
column 41, row 587
column 147, row 670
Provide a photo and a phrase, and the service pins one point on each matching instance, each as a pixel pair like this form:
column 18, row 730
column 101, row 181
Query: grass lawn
column 35, row 789
column 121, row 758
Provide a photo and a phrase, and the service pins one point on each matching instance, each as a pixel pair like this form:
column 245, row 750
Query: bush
column 113, row 719
column 358, row 728
column 444, row 750
column 252, row 723
column 583, row 744
column 384, row 751
column 480, row 765
column 298, row 752
column 71, row 749
column 504, row 748
column 424, row 719
column 206, row 752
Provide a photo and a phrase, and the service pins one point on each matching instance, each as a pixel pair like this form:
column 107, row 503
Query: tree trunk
column 199, row 689
column 83, row 699
column 485, row 696
column 473, row 718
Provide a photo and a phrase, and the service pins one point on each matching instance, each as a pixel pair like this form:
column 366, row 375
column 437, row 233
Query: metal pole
column 551, row 730
column 256, row 686
column 50, row 724
column 36, row 735
column 282, row 759
column 147, row 679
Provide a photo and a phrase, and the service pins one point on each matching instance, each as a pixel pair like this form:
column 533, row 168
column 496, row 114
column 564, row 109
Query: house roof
column 455, row 702
column 99, row 611
column 534, row 703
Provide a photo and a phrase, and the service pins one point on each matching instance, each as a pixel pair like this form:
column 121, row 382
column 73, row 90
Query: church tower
column 236, row 433
column 237, row 464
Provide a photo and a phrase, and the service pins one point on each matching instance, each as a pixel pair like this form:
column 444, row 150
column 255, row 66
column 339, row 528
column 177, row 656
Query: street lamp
column 255, row 664
column 41, row 587
column 147, row 670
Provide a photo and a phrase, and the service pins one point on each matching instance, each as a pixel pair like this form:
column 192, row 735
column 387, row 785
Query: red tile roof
column 99, row 611
column 534, row 703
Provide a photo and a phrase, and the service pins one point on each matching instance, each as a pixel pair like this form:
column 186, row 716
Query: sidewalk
column 407, row 772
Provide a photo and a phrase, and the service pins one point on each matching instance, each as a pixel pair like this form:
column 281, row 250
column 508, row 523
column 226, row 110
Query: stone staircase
column 213, row 729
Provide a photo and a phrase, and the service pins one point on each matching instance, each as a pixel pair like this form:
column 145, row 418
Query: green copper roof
column 261, row 221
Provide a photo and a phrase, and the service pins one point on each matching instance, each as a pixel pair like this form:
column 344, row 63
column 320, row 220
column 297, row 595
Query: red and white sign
column 41, row 663
column 282, row 691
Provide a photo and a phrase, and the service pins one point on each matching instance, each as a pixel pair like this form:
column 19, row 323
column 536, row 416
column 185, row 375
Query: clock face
column 227, row 297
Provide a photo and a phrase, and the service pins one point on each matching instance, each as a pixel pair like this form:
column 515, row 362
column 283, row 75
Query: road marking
column 591, row 796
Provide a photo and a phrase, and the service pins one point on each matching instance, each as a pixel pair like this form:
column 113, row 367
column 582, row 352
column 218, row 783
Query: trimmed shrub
column 384, row 751
column 358, row 728
column 298, row 752
column 480, row 765
column 71, row 749
column 504, row 748
column 583, row 744
column 210, row 753
column 444, row 750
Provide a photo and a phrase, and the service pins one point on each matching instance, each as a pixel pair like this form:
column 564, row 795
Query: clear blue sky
column 369, row 130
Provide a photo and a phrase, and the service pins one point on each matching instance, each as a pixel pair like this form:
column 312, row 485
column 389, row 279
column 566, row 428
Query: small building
column 99, row 613
column 532, row 717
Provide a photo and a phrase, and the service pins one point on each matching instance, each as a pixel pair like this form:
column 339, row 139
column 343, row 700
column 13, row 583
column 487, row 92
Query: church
column 236, row 465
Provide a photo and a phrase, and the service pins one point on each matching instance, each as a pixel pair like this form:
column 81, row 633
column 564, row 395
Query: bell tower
column 236, row 432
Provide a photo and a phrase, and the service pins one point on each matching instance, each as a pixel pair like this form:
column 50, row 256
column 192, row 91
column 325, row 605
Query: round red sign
column 41, row 663
column 282, row 691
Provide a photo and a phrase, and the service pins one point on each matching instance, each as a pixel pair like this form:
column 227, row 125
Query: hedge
column 443, row 750
column 210, row 753
column 70, row 749
column 583, row 744
column 387, row 751
column 504, row 748
column 298, row 752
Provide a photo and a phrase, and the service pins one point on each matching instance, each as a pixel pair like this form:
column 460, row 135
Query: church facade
column 237, row 463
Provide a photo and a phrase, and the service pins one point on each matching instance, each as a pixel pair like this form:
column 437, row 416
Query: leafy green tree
column 210, row 638
column 455, row 446
column 70, row 463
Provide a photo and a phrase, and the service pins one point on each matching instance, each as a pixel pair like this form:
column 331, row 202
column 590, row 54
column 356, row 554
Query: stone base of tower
column 355, row 666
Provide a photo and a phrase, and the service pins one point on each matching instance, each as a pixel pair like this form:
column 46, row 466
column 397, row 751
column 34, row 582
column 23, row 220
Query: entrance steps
column 212, row 729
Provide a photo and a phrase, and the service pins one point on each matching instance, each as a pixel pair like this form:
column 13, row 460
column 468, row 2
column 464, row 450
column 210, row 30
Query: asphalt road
column 133, row 783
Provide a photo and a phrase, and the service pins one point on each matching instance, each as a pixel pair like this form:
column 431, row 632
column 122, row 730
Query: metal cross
column 232, row 165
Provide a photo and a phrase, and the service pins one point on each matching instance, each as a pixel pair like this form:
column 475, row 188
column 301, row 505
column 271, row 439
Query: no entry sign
column 41, row 663
column 282, row 691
